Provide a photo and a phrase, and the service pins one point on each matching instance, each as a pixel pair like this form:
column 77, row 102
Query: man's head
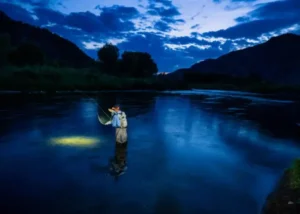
column 116, row 108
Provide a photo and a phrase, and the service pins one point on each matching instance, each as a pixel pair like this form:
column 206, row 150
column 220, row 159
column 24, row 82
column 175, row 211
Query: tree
column 108, row 54
column 26, row 54
column 138, row 64
column 4, row 48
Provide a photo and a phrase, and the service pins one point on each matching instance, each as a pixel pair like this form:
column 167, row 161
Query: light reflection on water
column 184, row 156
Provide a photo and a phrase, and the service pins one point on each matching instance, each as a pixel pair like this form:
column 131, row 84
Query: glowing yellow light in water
column 75, row 141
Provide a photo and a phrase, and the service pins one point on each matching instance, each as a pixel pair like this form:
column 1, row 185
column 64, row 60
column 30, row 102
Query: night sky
column 176, row 33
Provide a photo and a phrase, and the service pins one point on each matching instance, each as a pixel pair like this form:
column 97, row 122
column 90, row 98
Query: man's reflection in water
column 118, row 164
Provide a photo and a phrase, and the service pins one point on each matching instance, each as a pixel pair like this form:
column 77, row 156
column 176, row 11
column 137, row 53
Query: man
column 119, row 121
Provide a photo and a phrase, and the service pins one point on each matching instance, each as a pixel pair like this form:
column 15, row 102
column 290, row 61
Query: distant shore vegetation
column 27, row 67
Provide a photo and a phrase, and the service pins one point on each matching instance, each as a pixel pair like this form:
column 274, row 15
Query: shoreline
column 69, row 91
column 285, row 198
column 193, row 91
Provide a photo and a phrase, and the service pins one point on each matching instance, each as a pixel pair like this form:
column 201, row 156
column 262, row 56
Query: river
column 207, row 152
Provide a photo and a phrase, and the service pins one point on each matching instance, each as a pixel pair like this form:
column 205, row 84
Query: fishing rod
column 84, row 94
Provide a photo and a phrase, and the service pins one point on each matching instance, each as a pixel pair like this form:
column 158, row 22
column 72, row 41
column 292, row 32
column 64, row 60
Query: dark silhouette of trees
column 138, row 64
column 133, row 64
column 26, row 54
column 4, row 48
column 108, row 54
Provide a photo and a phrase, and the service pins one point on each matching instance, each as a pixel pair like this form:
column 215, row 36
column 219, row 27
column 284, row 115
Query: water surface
column 187, row 153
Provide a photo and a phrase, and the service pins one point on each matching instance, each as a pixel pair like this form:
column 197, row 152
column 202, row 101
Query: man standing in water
column 119, row 121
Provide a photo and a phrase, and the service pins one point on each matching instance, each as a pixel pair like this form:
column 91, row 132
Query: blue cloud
column 191, row 40
column 122, row 12
column 268, row 17
column 219, row 1
column 17, row 13
column 160, row 11
column 172, row 20
column 38, row 3
column 49, row 16
column 252, row 29
column 289, row 9
column 114, row 19
column 197, row 53
column 162, row 26
column 166, row 10
column 167, row 13
column 166, row 3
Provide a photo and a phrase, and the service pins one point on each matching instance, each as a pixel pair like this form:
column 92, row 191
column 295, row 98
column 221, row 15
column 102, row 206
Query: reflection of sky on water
column 180, row 155
column 229, row 152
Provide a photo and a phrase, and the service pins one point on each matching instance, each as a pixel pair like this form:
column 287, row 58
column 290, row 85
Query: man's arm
column 116, row 123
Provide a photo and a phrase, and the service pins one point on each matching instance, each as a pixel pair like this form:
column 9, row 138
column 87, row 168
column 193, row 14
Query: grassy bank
column 59, row 79
column 49, row 78
column 286, row 197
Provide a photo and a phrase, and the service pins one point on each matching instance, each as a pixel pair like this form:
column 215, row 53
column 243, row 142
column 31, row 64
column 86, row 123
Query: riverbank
column 255, row 87
column 47, row 79
column 50, row 79
column 286, row 197
column 201, row 92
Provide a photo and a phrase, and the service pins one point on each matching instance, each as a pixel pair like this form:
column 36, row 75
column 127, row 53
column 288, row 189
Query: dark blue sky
column 177, row 33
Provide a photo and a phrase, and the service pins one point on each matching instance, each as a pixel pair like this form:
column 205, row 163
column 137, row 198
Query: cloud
column 17, row 13
column 191, row 40
column 159, row 11
column 289, row 9
column 39, row 3
column 166, row 3
column 164, row 9
column 162, row 26
column 166, row 13
column 110, row 20
column 36, row 3
column 238, row 1
column 252, row 29
column 172, row 20
column 46, row 16
column 268, row 17
column 124, row 13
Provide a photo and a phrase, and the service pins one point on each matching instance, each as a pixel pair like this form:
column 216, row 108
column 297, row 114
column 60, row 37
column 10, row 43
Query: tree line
column 128, row 64
column 135, row 64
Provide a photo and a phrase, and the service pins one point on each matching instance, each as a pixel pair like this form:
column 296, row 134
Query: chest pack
column 123, row 119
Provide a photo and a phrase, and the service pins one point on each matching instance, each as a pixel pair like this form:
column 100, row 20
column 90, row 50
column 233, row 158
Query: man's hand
column 107, row 123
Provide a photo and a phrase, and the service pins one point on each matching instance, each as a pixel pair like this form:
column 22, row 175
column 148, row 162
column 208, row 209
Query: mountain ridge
column 55, row 47
column 276, row 60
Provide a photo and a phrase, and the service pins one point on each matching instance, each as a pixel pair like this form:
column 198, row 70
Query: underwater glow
column 75, row 141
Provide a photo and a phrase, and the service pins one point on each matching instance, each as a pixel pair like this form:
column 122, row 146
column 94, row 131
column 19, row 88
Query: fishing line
column 85, row 95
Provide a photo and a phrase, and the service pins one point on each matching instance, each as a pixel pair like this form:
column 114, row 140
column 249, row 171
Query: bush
column 295, row 175
column 55, row 79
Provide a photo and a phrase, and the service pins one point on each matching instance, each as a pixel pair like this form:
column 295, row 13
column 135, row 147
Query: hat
column 113, row 108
